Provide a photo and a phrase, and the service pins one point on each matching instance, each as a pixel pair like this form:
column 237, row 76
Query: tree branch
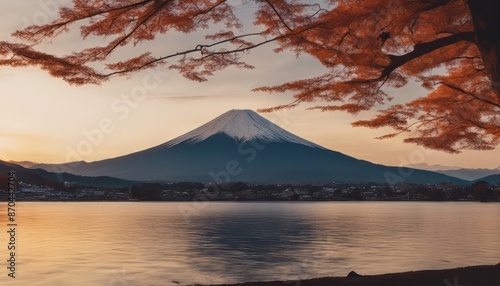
column 279, row 16
column 418, row 51
column 51, row 28
column 468, row 93
column 201, row 46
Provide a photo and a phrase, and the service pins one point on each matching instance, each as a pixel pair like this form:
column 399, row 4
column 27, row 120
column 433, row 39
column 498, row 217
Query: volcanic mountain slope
column 242, row 125
column 240, row 145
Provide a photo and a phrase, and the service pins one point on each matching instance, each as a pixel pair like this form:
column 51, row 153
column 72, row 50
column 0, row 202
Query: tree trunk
column 486, row 20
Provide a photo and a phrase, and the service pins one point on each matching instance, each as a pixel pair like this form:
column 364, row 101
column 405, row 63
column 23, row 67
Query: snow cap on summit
column 241, row 124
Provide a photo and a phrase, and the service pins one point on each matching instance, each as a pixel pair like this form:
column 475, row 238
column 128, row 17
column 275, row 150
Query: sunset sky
column 44, row 119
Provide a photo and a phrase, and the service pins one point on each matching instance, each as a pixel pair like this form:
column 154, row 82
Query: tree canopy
column 450, row 47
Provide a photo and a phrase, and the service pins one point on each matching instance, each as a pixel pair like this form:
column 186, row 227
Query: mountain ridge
column 470, row 174
column 41, row 176
column 240, row 145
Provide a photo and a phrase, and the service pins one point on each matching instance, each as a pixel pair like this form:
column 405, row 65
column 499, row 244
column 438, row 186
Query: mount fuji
column 241, row 145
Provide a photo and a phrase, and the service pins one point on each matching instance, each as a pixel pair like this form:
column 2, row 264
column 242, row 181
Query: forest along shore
column 469, row 276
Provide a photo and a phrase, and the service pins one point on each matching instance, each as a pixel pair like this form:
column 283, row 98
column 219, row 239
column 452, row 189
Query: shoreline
column 483, row 275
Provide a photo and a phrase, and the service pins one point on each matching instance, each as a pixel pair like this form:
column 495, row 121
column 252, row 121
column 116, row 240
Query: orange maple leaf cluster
column 448, row 46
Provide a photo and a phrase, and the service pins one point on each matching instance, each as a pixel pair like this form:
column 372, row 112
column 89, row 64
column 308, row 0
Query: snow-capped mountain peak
column 243, row 125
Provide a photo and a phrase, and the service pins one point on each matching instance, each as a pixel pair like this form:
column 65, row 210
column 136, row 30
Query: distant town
column 67, row 191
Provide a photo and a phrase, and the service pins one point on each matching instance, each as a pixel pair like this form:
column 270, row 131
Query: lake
column 140, row 243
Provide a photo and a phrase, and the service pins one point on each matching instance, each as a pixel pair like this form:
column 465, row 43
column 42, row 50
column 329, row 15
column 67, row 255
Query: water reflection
column 249, row 245
column 156, row 244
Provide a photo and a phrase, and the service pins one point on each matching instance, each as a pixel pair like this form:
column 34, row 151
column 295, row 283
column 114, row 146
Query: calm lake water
column 134, row 243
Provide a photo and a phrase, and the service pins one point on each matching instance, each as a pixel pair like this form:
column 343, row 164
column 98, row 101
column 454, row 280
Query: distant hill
column 43, row 177
column 493, row 179
column 59, row 168
column 429, row 167
column 25, row 164
column 468, row 174
column 22, row 174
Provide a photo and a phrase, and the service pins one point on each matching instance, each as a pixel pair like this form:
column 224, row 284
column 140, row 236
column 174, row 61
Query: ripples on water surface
column 136, row 243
